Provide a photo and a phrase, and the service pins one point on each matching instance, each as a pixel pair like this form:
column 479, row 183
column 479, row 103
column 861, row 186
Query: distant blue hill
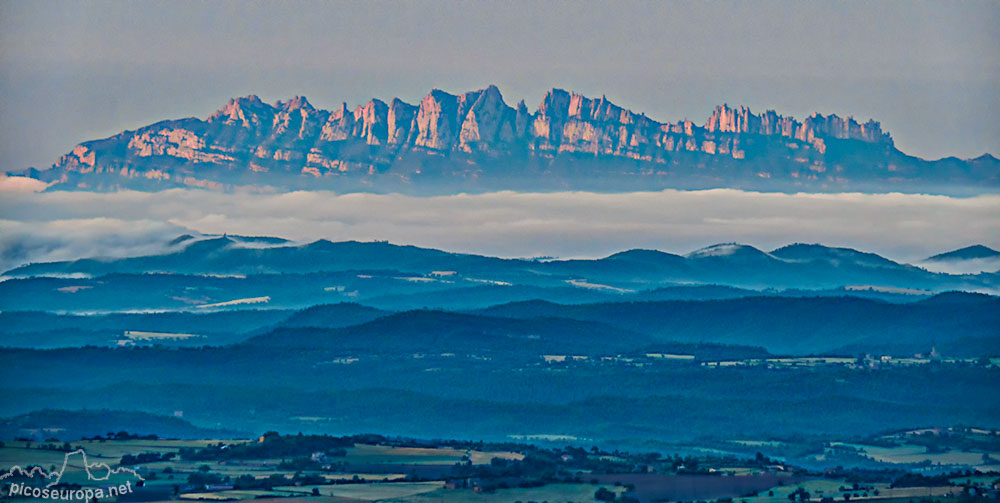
column 967, row 253
column 228, row 272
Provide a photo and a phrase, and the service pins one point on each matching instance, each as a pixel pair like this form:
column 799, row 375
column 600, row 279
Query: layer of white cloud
column 905, row 227
column 967, row 266
column 22, row 242
column 20, row 184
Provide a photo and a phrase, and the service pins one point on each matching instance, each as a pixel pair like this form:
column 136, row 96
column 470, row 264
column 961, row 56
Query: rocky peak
column 465, row 101
column 339, row 126
column 729, row 120
column 555, row 104
column 522, row 120
column 296, row 103
column 399, row 118
column 297, row 117
column 491, row 97
column 248, row 111
column 444, row 121
column 816, row 125
column 488, row 122
column 437, row 120
column 400, row 104
column 599, row 110
column 741, row 120
column 341, row 112
column 551, row 116
column 773, row 124
column 374, row 118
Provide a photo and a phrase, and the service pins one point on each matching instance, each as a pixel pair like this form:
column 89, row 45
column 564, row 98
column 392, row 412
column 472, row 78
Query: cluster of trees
column 861, row 479
column 121, row 435
column 799, row 494
column 247, row 481
column 543, row 466
column 205, row 477
column 947, row 441
column 918, row 480
column 202, row 478
column 146, row 457
column 272, row 445
column 51, row 444
column 531, row 467
column 603, row 494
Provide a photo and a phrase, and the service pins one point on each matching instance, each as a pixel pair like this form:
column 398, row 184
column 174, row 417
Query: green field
column 168, row 480
column 981, row 480
column 757, row 443
column 822, row 488
column 380, row 492
column 227, row 495
column 552, row 493
column 15, row 453
column 908, row 453
column 118, row 448
column 420, row 456
column 20, row 456
column 815, row 488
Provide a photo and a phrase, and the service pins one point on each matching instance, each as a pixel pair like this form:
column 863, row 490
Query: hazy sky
column 78, row 70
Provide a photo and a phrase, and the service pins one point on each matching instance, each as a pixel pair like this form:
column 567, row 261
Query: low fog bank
column 68, row 239
column 967, row 266
column 905, row 227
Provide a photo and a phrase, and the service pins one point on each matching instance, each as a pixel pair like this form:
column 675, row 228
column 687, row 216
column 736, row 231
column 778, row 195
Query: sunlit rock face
column 476, row 141
column 437, row 121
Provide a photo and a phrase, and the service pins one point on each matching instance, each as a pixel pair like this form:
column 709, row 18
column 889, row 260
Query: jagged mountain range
column 475, row 141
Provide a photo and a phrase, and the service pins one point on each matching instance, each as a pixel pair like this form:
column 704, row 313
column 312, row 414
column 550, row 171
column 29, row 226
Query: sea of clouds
column 44, row 226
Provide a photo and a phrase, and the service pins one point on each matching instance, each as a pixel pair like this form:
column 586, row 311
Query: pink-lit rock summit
column 475, row 141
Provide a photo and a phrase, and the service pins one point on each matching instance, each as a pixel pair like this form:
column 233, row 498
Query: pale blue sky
column 73, row 71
